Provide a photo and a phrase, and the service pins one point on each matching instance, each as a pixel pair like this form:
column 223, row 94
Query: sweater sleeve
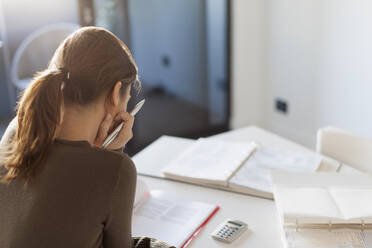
column 118, row 227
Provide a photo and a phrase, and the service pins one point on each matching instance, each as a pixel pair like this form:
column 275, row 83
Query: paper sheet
column 354, row 203
column 255, row 173
column 167, row 210
column 303, row 203
column 367, row 237
column 321, row 198
column 169, row 218
column 141, row 193
column 325, row 239
column 151, row 160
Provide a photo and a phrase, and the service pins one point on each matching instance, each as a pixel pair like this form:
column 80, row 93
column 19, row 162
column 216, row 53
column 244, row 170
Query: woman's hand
column 124, row 135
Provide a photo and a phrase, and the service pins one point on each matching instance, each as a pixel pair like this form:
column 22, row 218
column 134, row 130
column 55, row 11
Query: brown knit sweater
column 82, row 198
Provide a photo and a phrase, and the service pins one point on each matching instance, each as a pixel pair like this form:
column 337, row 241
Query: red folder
column 197, row 230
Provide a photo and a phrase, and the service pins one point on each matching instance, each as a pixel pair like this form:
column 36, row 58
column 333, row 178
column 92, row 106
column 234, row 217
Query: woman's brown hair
column 86, row 64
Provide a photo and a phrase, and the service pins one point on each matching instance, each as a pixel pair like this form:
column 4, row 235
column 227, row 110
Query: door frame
column 6, row 59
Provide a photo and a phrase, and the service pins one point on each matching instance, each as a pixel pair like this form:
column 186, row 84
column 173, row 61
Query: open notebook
column 239, row 167
column 339, row 238
column 324, row 210
column 167, row 217
column 323, row 200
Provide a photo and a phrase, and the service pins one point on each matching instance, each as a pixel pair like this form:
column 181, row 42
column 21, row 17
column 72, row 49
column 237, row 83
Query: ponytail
column 39, row 114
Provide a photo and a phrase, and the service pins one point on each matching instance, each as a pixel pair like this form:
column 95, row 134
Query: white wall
column 248, row 62
column 318, row 58
column 346, row 86
column 295, row 33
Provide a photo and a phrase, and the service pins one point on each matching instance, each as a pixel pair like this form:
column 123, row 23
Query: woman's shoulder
column 121, row 162
column 125, row 163
column 123, row 171
column 124, row 167
column 100, row 159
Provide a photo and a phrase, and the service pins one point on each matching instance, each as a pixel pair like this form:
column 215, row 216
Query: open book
column 209, row 162
column 238, row 167
column 323, row 200
column 167, row 217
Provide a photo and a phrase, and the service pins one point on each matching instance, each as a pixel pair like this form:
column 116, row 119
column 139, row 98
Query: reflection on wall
column 22, row 17
column 5, row 108
column 216, row 30
column 180, row 47
column 168, row 43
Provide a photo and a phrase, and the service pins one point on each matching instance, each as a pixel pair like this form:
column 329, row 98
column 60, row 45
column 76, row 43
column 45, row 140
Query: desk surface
column 260, row 214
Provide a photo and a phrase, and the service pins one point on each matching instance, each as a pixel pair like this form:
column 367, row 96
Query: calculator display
column 234, row 223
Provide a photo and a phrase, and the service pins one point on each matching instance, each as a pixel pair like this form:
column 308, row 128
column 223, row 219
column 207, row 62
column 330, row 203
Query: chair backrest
column 37, row 49
column 9, row 132
column 347, row 148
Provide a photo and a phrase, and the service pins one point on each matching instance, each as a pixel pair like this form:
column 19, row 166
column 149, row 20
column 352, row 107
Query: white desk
column 260, row 214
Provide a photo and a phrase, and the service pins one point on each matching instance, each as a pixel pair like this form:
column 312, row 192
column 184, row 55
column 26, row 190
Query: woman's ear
column 115, row 94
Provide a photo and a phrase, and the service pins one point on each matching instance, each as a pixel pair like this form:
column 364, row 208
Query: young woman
column 59, row 187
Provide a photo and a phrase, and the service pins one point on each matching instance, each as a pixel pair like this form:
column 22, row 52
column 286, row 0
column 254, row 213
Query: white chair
column 9, row 132
column 36, row 50
column 347, row 148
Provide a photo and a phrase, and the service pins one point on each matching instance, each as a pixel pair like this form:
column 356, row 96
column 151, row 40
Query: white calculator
column 229, row 230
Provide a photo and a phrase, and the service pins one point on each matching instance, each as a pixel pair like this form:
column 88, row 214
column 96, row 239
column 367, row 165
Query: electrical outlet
column 165, row 60
column 281, row 106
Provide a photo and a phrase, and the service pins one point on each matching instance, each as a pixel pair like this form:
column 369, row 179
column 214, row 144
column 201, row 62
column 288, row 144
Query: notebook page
column 210, row 161
column 169, row 218
column 255, row 173
column 151, row 160
column 306, row 205
column 325, row 239
column 367, row 236
column 141, row 193
column 296, row 179
column 354, row 203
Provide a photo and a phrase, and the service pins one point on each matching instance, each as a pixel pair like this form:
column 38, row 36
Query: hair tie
column 66, row 73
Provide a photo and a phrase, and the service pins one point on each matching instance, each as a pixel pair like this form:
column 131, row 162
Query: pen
column 115, row 133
